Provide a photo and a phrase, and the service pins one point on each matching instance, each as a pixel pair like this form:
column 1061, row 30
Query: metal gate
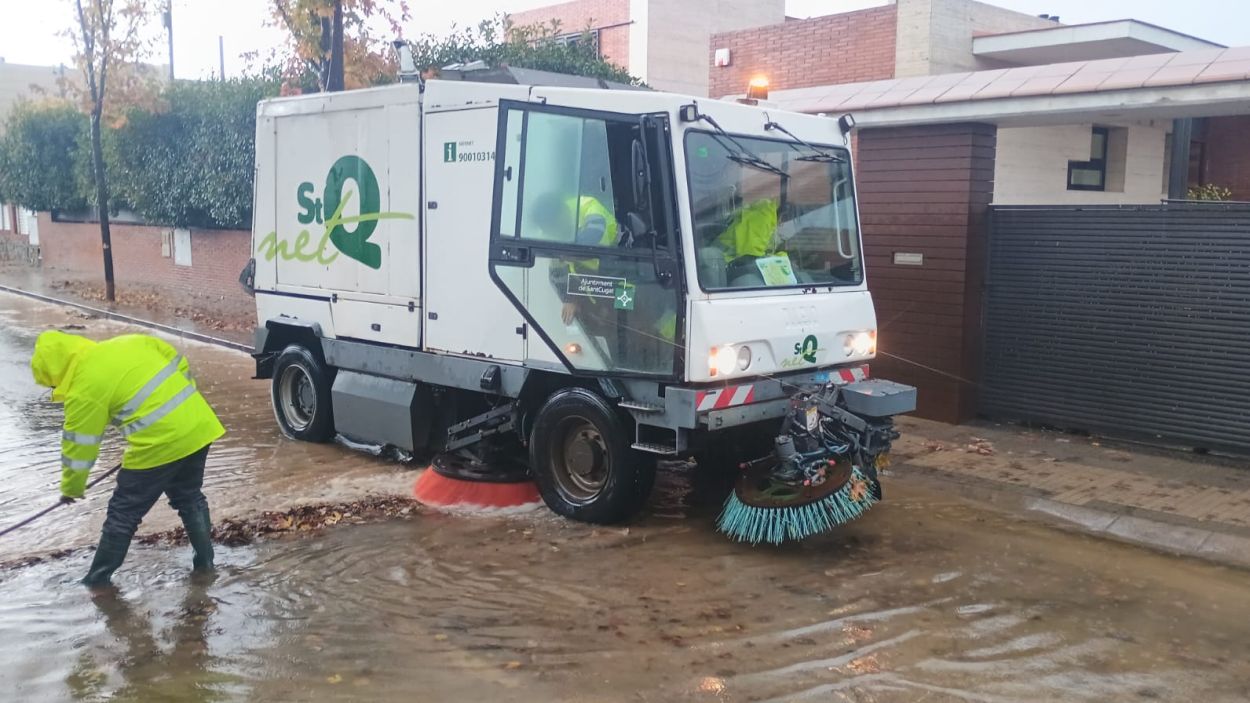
column 1122, row 320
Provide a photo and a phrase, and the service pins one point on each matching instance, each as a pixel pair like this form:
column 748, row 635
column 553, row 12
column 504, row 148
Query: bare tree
column 332, row 39
column 107, row 38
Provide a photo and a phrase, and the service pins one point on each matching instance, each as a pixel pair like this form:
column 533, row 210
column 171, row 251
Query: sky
column 30, row 30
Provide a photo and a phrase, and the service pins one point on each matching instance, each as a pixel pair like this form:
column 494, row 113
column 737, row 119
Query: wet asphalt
column 929, row 597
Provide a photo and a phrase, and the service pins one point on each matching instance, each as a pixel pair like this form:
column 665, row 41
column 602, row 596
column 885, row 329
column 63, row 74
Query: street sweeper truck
column 564, row 285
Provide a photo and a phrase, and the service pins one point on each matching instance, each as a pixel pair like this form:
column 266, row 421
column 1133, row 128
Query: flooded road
column 928, row 598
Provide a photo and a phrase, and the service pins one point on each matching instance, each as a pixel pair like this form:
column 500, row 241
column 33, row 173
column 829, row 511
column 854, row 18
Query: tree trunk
column 335, row 80
column 102, row 203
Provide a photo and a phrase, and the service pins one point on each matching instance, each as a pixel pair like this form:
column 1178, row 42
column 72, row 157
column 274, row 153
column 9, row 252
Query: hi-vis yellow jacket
column 751, row 232
column 134, row 381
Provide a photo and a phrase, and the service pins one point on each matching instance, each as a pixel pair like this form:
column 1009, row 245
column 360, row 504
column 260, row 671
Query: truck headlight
column 860, row 343
column 723, row 360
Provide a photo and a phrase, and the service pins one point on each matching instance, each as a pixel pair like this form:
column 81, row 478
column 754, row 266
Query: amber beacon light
column 757, row 89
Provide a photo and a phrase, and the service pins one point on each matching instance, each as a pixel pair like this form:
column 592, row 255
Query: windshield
column 771, row 213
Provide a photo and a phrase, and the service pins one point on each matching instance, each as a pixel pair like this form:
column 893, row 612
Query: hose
column 54, row 506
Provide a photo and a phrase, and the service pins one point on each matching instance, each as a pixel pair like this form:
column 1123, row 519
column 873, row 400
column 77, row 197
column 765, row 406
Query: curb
column 120, row 317
column 1123, row 525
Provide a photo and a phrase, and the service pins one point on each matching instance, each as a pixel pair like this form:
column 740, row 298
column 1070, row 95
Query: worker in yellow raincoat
column 144, row 387
column 590, row 223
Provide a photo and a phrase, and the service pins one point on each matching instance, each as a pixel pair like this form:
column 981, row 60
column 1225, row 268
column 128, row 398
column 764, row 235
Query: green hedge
column 39, row 154
column 188, row 163
column 192, row 164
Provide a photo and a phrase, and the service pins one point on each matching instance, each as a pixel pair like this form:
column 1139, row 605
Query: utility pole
column 221, row 57
column 169, row 29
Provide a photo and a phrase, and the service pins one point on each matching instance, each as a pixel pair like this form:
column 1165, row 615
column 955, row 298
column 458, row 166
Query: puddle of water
column 535, row 608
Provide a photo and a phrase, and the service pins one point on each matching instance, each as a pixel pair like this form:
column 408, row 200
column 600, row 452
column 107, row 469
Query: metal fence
column 1132, row 321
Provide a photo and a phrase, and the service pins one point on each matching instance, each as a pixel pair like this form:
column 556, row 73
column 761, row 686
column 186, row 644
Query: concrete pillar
column 924, row 198
column 1178, row 178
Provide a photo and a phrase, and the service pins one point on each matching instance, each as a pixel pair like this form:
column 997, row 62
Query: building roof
column 22, row 81
column 1085, row 42
column 1212, row 75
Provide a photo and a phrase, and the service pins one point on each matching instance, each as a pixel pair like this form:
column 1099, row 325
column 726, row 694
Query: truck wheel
column 581, row 457
column 301, row 395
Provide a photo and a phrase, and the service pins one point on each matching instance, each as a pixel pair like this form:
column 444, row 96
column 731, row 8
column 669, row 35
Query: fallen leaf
column 712, row 684
column 334, row 679
column 512, row 665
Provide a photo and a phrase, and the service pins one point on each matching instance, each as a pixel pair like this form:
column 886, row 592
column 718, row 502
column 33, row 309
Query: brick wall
column 926, row 190
column 842, row 48
column 71, row 252
column 1228, row 154
column 583, row 14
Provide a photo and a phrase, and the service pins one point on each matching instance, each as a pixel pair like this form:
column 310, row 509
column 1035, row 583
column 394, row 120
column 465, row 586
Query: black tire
column 582, row 461
column 301, row 395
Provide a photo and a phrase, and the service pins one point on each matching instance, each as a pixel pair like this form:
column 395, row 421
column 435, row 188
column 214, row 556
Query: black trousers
column 138, row 490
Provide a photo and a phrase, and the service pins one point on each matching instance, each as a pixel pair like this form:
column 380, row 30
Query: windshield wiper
column 738, row 153
column 817, row 154
column 757, row 162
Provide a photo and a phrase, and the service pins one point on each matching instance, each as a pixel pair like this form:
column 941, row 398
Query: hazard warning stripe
column 724, row 397
column 853, row 375
column 733, row 396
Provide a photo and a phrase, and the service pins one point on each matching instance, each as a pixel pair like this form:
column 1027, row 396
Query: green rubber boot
column 199, row 527
column 108, row 556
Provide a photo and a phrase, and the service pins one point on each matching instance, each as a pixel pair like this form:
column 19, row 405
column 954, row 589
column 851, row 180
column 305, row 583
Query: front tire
column 582, row 461
column 301, row 395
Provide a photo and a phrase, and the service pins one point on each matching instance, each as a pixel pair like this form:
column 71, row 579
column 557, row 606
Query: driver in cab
column 755, row 232
column 591, row 223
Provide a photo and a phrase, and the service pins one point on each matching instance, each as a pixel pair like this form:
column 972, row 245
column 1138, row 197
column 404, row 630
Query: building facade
column 663, row 42
column 1109, row 162
column 1084, row 141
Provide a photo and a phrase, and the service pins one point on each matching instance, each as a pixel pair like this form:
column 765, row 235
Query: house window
column 590, row 36
column 27, row 221
column 1092, row 174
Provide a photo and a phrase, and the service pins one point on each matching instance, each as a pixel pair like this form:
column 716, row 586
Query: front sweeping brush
column 766, row 508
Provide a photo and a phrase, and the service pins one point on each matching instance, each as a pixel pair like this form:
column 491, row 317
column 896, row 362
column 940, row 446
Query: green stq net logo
column 349, row 235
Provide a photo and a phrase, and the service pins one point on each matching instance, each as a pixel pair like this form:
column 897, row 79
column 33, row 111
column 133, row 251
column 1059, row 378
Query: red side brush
column 456, row 481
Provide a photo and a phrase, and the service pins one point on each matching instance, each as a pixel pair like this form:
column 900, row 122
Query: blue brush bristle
column 746, row 523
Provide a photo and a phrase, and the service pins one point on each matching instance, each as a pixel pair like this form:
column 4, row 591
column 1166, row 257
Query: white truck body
column 427, row 285
column 692, row 262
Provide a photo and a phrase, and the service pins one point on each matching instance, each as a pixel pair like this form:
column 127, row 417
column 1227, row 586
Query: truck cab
column 586, row 280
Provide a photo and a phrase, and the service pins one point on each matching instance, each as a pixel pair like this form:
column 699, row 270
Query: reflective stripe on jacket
column 596, row 226
column 593, row 219
column 136, row 382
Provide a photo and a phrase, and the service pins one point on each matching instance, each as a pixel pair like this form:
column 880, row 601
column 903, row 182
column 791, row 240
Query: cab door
column 583, row 243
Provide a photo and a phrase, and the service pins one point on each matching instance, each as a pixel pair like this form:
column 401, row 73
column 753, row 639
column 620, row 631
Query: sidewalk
column 1186, row 504
column 132, row 303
